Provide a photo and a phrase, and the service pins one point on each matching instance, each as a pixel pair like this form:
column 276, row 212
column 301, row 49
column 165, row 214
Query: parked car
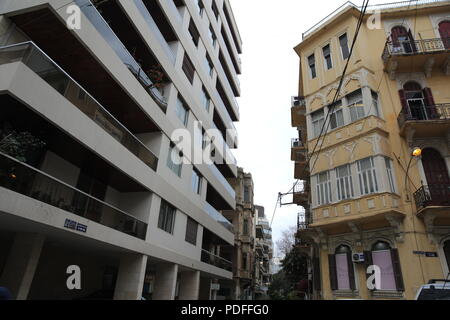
column 434, row 290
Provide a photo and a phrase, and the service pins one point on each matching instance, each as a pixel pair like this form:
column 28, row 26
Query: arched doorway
column 418, row 103
column 444, row 30
column 402, row 40
column 437, row 176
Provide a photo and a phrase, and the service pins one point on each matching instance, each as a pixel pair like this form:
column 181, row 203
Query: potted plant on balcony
column 157, row 76
column 20, row 145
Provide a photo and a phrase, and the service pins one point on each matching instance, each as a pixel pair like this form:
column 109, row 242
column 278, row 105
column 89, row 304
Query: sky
column 270, row 30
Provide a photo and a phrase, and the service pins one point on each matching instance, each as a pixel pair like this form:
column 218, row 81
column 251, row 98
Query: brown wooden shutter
column 316, row 273
column 351, row 271
column 411, row 39
column 333, row 271
column 397, row 270
column 404, row 102
column 430, row 104
column 368, row 261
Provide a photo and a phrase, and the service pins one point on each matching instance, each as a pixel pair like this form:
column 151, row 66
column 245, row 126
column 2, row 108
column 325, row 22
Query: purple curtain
column 342, row 272
column 384, row 261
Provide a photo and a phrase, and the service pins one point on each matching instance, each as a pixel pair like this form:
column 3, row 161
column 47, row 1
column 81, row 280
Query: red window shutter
column 368, row 261
column 404, row 103
column 444, row 30
column 333, row 271
column 411, row 39
column 397, row 270
column 351, row 271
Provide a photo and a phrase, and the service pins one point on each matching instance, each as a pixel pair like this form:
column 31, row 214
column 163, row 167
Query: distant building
column 263, row 254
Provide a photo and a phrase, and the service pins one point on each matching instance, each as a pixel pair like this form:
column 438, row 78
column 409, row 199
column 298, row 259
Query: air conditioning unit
column 358, row 257
column 296, row 102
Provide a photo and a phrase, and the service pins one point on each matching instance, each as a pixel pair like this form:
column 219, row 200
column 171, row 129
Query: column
column 189, row 285
column 130, row 278
column 22, row 263
column 165, row 282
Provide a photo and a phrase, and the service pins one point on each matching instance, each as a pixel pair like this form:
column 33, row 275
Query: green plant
column 19, row 144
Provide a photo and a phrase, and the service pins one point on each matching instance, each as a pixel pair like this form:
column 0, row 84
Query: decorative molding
column 429, row 225
column 396, row 222
column 374, row 140
column 322, row 238
column 392, row 69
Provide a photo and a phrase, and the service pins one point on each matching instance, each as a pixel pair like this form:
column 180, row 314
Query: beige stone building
column 368, row 201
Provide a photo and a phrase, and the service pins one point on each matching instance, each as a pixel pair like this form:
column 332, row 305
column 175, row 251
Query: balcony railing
column 213, row 213
column 297, row 143
column 97, row 20
column 219, row 262
column 424, row 113
column 35, row 59
column 432, row 196
column 28, row 181
column 414, row 47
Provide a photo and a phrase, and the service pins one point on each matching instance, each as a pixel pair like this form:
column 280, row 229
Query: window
column 206, row 101
column 191, row 231
column 337, row 116
column 342, row 271
column 375, row 103
column 201, row 7
column 312, row 66
column 390, row 174
column 245, row 228
column 356, row 106
column 317, row 119
column 444, row 30
column 212, row 36
column 182, row 110
column 196, row 181
column 174, row 160
column 188, row 68
column 387, row 260
column 344, row 182
column 209, row 65
column 244, row 261
column 246, row 194
column 166, row 219
column 327, row 56
column 343, row 41
column 324, row 188
column 194, row 32
column 367, row 176
column 215, row 9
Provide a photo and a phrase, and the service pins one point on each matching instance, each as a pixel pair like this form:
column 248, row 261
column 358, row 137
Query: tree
column 18, row 144
column 287, row 240
column 279, row 287
column 295, row 266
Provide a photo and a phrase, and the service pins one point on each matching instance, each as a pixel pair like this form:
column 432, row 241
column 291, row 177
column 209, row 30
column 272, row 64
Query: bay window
column 390, row 174
column 337, row 116
column 324, row 188
column 355, row 105
column 317, row 119
column 344, row 182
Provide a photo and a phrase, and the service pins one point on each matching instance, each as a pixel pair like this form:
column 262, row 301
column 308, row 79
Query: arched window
column 417, row 103
column 438, row 179
column 402, row 40
column 387, row 259
column 342, row 272
column 444, row 30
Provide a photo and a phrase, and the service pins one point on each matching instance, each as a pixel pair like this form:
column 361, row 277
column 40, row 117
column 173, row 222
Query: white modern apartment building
column 89, row 103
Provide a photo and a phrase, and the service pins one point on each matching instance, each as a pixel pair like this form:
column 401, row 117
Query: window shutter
column 430, row 104
column 411, row 39
column 368, row 261
column 316, row 273
column 397, row 270
column 404, row 103
column 333, row 271
column 351, row 271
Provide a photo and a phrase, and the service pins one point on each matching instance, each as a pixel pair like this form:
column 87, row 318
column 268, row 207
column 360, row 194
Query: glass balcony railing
column 28, row 181
column 91, row 12
column 222, row 179
column 35, row 59
column 213, row 213
column 219, row 262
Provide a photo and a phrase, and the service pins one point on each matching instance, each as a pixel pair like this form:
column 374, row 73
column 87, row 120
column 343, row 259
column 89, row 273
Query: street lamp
column 417, row 152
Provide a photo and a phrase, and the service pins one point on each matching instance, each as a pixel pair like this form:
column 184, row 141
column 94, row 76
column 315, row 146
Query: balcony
column 437, row 195
column 301, row 196
column 417, row 56
column 28, row 181
column 35, row 59
column 299, row 154
column 213, row 213
column 298, row 150
column 219, row 262
column 298, row 113
column 425, row 121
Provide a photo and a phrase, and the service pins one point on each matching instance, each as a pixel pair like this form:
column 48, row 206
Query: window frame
column 337, row 107
column 324, row 191
column 181, row 105
column 312, row 66
column 197, row 184
column 320, row 121
column 163, row 218
column 172, row 165
column 191, row 233
column 347, row 46
column 344, row 182
column 368, row 176
column 327, row 64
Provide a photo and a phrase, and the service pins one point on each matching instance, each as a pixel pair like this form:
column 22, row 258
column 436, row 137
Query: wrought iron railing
column 219, row 262
column 414, row 47
column 424, row 113
column 31, row 182
column 35, row 59
column 433, row 195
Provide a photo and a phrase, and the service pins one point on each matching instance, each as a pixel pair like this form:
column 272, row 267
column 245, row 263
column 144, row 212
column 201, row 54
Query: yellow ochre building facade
column 367, row 199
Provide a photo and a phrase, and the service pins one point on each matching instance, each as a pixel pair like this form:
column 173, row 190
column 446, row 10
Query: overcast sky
column 270, row 30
